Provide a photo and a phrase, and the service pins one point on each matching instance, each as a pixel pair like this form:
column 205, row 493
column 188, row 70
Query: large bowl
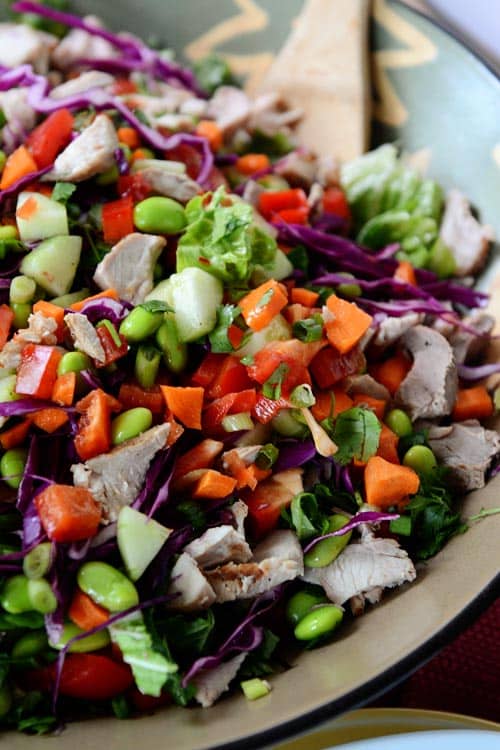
column 441, row 103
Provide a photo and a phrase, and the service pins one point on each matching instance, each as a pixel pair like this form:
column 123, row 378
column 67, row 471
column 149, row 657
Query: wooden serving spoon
column 323, row 69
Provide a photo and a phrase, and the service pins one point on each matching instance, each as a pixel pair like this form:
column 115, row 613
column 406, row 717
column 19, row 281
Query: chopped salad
column 241, row 387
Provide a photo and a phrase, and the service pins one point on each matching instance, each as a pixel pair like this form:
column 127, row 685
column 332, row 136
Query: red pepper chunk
column 94, row 429
column 37, row 372
column 6, row 319
column 330, row 366
column 274, row 201
column 50, row 137
column 67, row 513
column 335, row 202
column 231, row 378
column 231, row 403
column 112, row 352
column 118, row 219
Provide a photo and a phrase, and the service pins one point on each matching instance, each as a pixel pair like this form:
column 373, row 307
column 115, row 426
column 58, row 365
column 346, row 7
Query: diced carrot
column 6, row 320
column 405, row 272
column 336, row 397
column 94, row 429
column 64, row 388
column 348, row 325
column 129, row 136
column 210, row 130
column 131, row 395
column 387, row 483
column 262, row 304
column 201, row 456
column 246, row 476
column 176, row 429
column 19, row 164
column 15, row 435
column 49, row 310
column 85, row 613
column 377, row 405
column 388, row 445
column 49, row 420
column 27, row 209
column 185, row 403
column 213, row 485
column 251, row 163
column 106, row 294
column 472, row 403
column 139, row 153
column 67, row 513
column 305, row 297
column 85, row 402
column 295, row 312
column 392, row 371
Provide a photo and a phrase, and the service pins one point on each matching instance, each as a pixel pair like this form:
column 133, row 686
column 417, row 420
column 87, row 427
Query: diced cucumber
column 139, row 540
column 280, row 269
column 53, row 264
column 285, row 424
column 66, row 300
column 277, row 330
column 45, row 217
column 8, row 388
column 162, row 292
column 196, row 296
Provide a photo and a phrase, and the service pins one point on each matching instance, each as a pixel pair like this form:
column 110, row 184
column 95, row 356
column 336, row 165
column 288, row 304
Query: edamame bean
column 93, row 642
column 174, row 351
column 107, row 586
column 22, row 289
column 421, row 459
column 5, row 700
column 109, row 176
column 8, row 232
column 30, row 644
column 301, row 603
column 12, row 466
column 3, row 159
column 327, row 550
column 73, row 362
column 37, row 562
column 349, row 289
column 42, row 597
column 14, row 597
column 159, row 215
column 441, row 261
column 319, row 622
column 399, row 422
column 21, row 314
column 147, row 363
column 130, row 423
column 140, row 323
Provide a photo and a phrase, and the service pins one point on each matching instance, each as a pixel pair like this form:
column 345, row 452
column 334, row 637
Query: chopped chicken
column 270, row 116
column 247, row 580
column 129, row 266
column 180, row 187
column 468, row 346
column 468, row 240
column 116, row 478
column 84, row 82
column 90, row 154
column 391, row 329
column 219, row 545
column 211, row 683
column 328, row 172
column 84, row 336
column 239, row 509
column 20, row 115
column 230, row 107
column 367, row 385
column 281, row 545
column 21, row 44
column 467, row 449
column 41, row 330
column 189, row 587
column 79, row 44
column 298, row 167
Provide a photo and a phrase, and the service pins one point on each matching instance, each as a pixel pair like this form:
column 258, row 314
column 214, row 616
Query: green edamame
column 12, row 466
column 301, row 603
column 130, row 423
column 21, row 311
column 22, row 290
column 42, row 597
column 73, row 362
column 441, row 261
column 30, row 644
column 8, row 232
column 93, row 642
column 399, row 422
column 147, row 363
column 159, row 215
column 319, row 622
column 421, row 459
column 327, row 550
column 174, row 351
column 140, row 323
column 5, row 700
column 37, row 562
column 14, row 597
column 349, row 289
column 107, row 586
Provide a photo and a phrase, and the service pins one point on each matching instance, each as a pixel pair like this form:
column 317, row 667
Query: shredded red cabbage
column 294, row 453
column 106, row 308
column 26, row 406
column 366, row 516
column 468, row 372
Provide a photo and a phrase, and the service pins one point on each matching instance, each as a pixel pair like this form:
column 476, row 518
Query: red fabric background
column 463, row 678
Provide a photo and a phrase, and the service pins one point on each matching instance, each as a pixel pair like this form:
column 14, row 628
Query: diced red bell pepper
column 272, row 201
column 231, row 403
column 94, row 428
column 293, row 353
column 232, row 377
column 266, row 409
column 265, row 504
column 132, row 396
column 111, row 350
column 37, row 372
column 298, row 215
column 123, row 86
column 329, row 366
column 118, row 219
column 189, row 155
column 235, row 336
column 133, row 185
column 50, row 137
column 6, row 319
column 207, row 370
column 335, row 202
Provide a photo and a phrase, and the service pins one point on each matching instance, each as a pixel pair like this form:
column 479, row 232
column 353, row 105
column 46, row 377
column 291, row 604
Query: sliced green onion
column 237, row 422
column 112, row 332
column 22, row 289
column 401, row 526
column 309, row 329
column 302, row 396
column 255, row 688
column 267, row 456
column 147, row 363
column 37, row 562
column 41, row 596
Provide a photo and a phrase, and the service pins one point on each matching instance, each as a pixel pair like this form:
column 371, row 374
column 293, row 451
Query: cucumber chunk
column 196, row 296
column 53, row 264
column 162, row 292
column 41, row 218
column 277, row 330
column 139, row 540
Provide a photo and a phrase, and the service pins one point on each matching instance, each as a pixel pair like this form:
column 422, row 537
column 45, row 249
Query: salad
column 241, row 387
